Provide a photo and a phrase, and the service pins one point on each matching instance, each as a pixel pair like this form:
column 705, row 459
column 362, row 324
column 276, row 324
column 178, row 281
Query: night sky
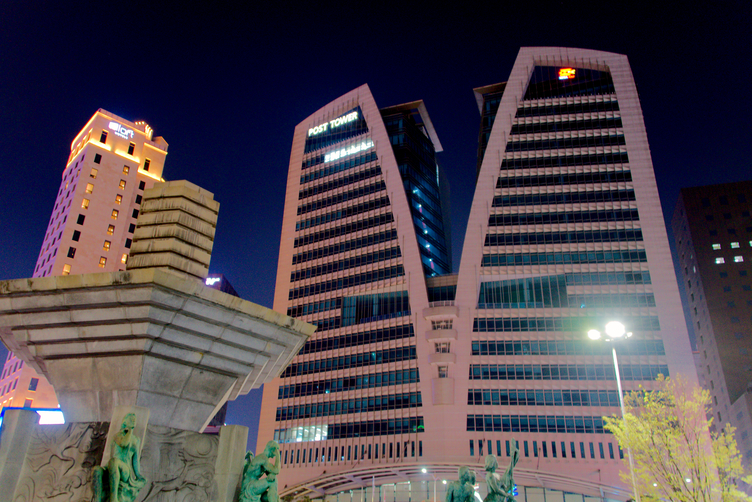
column 226, row 86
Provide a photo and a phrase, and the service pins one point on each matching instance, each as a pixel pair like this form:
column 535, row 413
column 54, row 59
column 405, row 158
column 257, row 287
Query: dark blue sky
column 225, row 85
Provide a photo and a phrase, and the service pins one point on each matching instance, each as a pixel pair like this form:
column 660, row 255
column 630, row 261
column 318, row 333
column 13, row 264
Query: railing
column 445, row 303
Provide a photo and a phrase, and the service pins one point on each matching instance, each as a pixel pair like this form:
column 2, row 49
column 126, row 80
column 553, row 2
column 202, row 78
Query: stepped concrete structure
column 153, row 335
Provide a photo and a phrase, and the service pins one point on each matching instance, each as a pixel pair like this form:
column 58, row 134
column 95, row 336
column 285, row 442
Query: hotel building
column 414, row 371
column 111, row 162
column 713, row 232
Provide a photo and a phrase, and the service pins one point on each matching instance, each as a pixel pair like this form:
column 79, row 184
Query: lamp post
column 435, row 480
column 616, row 331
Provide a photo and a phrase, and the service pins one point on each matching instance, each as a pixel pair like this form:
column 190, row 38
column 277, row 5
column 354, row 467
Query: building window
column 147, row 162
column 138, row 199
column 106, row 245
column 131, row 228
column 103, row 137
column 27, row 403
column 716, row 247
column 738, row 259
column 122, row 185
column 66, row 269
column 443, row 371
column 71, row 252
column 85, row 204
column 124, row 258
column 110, row 229
column 131, row 148
column 97, row 158
column 128, row 243
column 118, row 199
column 135, row 213
column 33, row 384
column 76, row 235
column 442, row 348
column 718, row 261
column 89, row 188
column 114, row 214
column 80, row 220
column 94, row 172
column 102, row 261
column 126, row 169
column 142, row 185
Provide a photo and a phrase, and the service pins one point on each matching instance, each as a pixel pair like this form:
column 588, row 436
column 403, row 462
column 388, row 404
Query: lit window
column 131, row 148
column 106, row 245
column 89, row 188
column 718, row 261
column 118, row 199
column 85, row 204
column 110, row 229
column 94, row 172
column 66, row 269
column 716, row 247
column 738, row 259
column 102, row 261
column 103, row 137
column 124, row 258
column 734, row 245
column 147, row 162
column 126, row 169
column 122, row 184
column 114, row 214
column 443, row 371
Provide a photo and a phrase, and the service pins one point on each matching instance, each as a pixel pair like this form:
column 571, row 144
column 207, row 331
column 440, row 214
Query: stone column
column 15, row 436
column 230, row 461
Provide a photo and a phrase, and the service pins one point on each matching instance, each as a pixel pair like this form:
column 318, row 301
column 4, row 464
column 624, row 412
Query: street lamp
column 615, row 331
column 435, row 480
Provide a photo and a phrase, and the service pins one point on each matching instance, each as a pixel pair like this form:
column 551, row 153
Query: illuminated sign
column 121, row 130
column 332, row 124
column 566, row 73
column 211, row 281
column 350, row 150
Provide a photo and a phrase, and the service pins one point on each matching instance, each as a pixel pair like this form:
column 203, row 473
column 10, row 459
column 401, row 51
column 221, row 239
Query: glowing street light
column 614, row 332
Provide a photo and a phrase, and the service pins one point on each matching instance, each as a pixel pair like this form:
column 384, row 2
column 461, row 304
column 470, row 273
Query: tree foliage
column 676, row 457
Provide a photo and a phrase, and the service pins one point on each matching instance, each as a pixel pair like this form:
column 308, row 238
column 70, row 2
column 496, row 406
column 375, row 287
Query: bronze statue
column 501, row 488
column 254, row 487
column 120, row 480
column 463, row 489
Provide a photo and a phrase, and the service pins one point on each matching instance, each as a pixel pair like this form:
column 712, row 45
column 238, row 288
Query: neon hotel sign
column 121, row 130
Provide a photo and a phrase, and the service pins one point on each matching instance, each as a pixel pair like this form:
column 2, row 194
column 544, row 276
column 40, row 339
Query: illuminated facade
column 565, row 233
column 111, row 162
column 713, row 232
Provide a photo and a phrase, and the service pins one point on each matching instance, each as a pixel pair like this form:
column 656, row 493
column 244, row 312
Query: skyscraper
column 713, row 232
column 411, row 374
column 111, row 162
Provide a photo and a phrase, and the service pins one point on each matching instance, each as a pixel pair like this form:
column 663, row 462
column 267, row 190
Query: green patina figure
column 462, row 490
column 120, row 480
column 259, row 482
column 501, row 488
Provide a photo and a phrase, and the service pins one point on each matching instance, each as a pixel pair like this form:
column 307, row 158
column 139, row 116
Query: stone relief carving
column 179, row 466
column 121, row 479
column 59, row 462
column 254, row 487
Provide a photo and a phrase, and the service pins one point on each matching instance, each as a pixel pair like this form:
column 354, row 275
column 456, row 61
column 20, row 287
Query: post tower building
column 411, row 374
